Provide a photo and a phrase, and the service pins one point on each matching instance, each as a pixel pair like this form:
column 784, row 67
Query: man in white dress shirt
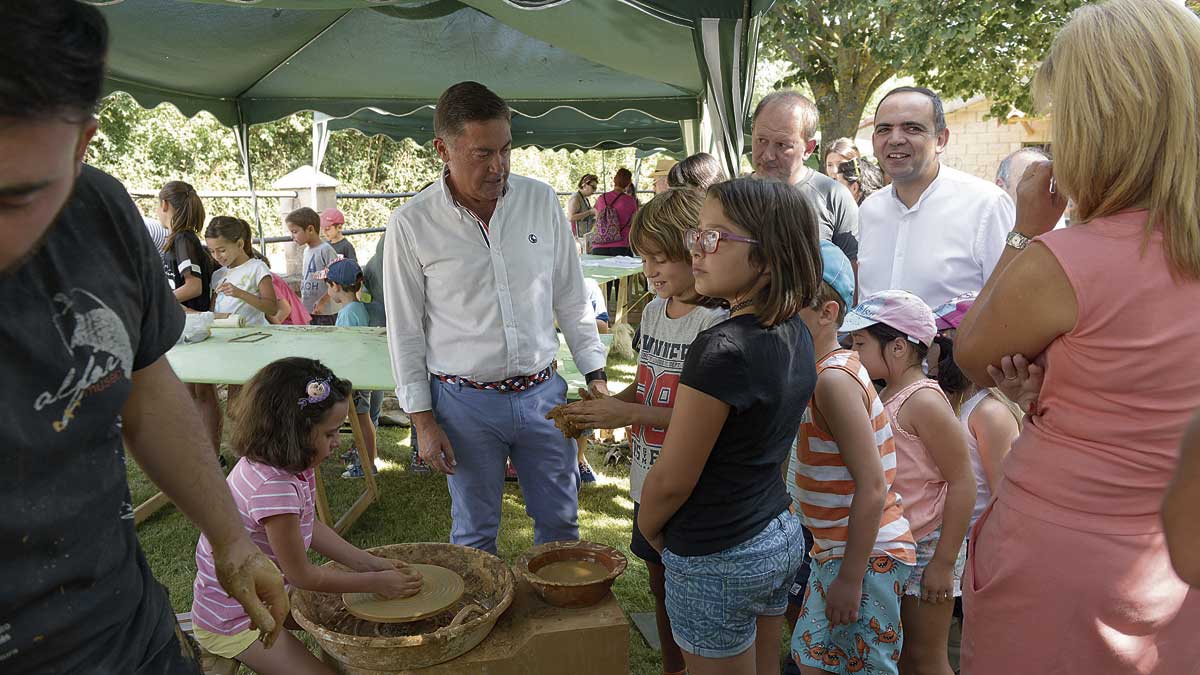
column 477, row 267
column 935, row 231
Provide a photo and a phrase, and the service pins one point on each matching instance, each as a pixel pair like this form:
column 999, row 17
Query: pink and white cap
column 900, row 310
column 951, row 314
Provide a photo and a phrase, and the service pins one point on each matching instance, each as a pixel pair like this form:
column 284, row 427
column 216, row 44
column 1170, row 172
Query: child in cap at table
column 242, row 286
column 332, row 221
column 345, row 279
column 841, row 477
column 892, row 332
column 670, row 323
column 715, row 504
column 286, row 423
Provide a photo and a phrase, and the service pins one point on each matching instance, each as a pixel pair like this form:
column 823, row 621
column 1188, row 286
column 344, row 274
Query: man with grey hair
column 782, row 135
column 935, row 232
column 1012, row 168
column 477, row 268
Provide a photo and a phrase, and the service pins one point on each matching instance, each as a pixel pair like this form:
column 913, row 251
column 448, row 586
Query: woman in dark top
column 715, row 502
column 185, row 259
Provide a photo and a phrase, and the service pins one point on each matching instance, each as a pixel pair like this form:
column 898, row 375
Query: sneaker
column 355, row 470
column 586, row 475
column 510, row 473
column 416, row 464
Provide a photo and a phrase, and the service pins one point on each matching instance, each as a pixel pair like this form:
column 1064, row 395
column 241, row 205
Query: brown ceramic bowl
column 571, row 594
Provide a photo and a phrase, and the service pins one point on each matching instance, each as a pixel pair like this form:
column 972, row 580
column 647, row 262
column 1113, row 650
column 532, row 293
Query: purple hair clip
column 317, row 390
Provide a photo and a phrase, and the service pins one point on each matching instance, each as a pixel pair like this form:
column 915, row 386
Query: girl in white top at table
column 243, row 286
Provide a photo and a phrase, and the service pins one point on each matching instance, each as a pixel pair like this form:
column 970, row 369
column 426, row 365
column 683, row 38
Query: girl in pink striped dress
column 287, row 422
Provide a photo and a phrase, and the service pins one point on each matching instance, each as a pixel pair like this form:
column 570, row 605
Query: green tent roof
column 557, row 129
column 253, row 61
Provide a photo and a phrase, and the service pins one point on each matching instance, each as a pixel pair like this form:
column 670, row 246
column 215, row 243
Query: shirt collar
column 929, row 189
column 448, row 194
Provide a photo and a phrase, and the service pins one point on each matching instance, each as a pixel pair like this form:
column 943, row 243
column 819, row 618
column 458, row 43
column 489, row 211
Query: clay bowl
column 356, row 643
column 571, row 595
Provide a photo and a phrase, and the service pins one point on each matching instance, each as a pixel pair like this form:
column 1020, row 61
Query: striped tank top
column 823, row 488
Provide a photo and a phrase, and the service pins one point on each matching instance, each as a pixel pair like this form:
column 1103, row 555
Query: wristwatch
column 596, row 375
column 1017, row 240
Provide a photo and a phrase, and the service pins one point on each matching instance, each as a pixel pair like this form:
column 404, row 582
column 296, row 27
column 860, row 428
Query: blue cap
column 838, row 273
column 343, row 272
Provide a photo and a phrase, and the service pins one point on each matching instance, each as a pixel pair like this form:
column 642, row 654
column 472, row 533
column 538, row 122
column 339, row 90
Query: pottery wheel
column 440, row 589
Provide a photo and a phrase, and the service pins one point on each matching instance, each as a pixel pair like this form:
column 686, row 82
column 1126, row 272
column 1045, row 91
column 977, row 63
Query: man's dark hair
column 939, row 112
column 1005, row 169
column 467, row 102
column 51, row 59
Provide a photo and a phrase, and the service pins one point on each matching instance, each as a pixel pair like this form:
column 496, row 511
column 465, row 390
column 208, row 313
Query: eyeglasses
column 710, row 239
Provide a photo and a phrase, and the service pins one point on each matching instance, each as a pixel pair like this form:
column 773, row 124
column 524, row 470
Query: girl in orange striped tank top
column 840, row 477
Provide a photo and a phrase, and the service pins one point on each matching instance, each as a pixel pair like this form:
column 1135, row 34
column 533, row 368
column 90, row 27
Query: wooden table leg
column 622, row 299
column 322, row 500
column 149, row 507
column 372, row 492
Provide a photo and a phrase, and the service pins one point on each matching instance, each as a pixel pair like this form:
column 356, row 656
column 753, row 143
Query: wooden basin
column 388, row 647
column 571, row 594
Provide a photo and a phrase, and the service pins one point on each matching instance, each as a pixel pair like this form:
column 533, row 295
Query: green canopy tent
column 556, row 129
column 689, row 62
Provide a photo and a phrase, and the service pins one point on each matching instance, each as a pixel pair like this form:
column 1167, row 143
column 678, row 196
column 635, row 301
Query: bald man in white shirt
column 477, row 268
column 935, row 231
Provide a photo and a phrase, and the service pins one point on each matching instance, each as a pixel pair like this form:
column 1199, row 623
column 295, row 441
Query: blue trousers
column 487, row 427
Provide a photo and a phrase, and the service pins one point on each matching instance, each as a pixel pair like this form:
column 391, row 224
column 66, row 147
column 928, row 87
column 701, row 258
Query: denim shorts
column 925, row 549
column 362, row 401
column 714, row 600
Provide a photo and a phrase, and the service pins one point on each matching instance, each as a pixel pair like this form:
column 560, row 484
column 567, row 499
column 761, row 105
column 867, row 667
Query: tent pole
column 243, row 140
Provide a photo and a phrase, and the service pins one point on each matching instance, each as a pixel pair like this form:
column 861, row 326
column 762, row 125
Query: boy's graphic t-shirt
column 76, row 594
column 664, row 347
column 313, row 286
column 259, row 491
column 246, row 277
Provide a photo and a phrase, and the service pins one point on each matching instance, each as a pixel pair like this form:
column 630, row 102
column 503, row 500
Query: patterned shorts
column 715, row 600
column 925, row 549
column 873, row 643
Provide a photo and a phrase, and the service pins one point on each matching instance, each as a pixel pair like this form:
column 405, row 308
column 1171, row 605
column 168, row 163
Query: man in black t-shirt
column 88, row 321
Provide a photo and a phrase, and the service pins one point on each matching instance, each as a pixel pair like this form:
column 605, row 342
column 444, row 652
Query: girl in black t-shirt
column 186, row 261
column 715, row 504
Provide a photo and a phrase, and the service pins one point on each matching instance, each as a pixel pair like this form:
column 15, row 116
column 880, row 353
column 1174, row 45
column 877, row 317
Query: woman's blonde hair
column 1123, row 81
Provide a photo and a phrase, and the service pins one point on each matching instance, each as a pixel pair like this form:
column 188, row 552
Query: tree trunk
column 841, row 112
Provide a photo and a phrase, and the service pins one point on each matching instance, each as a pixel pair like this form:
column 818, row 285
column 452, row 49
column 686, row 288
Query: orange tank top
column 824, row 488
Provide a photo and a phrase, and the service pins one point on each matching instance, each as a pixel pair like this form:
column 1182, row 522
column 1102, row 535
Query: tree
column 845, row 50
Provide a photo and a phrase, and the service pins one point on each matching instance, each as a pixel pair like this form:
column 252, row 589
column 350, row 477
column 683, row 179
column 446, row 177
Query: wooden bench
column 210, row 664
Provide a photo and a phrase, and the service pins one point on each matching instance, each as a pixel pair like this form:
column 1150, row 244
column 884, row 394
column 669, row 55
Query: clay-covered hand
column 253, row 580
column 401, row 581
column 558, row 415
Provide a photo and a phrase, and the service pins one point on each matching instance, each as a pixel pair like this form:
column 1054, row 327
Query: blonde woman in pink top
column 892, row 332
column 1069, row 571
column 287, row 422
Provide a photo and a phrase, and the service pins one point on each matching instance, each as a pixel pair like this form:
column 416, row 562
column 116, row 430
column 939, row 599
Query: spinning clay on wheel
column 440, row 589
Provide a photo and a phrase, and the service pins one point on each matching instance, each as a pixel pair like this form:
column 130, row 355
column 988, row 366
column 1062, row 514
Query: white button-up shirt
column 480, row 302
column 948, row 243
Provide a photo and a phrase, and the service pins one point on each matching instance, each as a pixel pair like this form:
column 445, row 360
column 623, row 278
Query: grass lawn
column 416, row 508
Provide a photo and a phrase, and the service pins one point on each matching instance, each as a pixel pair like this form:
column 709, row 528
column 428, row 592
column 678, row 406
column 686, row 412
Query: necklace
column 741, row 305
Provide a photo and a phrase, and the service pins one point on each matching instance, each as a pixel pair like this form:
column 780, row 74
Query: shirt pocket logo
column 533, row 238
